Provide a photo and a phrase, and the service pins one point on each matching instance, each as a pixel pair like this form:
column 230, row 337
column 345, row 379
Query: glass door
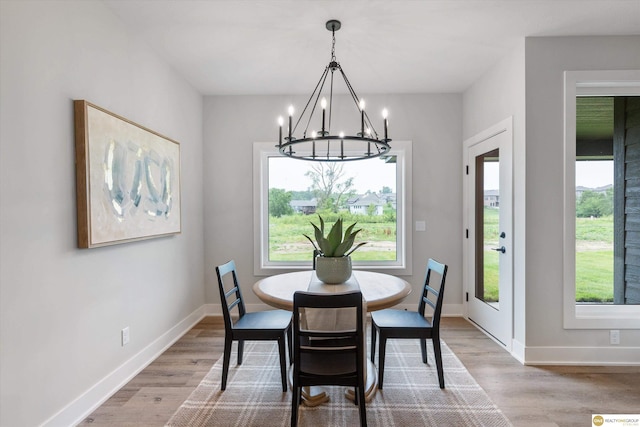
column 489, row 209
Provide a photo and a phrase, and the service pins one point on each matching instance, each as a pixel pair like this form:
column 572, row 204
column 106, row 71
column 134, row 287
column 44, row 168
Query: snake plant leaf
column 322, row 242
column 356, row 247
column 344, row 246
column 312, row 242
column 335, row 237
column 347, row 243
column 347, row 232
column 335, row 244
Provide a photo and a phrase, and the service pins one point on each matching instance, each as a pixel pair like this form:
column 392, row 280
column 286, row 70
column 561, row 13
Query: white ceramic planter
column 333, row 270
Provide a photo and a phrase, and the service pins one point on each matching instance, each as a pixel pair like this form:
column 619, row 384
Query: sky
column 594, row 174
column 590, row 174
column 371, row 174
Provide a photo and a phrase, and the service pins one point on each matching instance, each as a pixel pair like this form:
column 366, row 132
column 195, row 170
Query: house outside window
column 291, row 193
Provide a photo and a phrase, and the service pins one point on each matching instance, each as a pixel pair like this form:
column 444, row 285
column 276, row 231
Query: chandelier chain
column 333, row 45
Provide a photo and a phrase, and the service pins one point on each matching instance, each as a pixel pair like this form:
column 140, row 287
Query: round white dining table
column 379, row 290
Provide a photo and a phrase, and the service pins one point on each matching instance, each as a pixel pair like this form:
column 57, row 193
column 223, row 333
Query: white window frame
column 589, row 83
column 402, row 266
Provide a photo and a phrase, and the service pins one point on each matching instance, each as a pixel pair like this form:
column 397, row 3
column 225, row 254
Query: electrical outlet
column 125, row 336
column 614, row 337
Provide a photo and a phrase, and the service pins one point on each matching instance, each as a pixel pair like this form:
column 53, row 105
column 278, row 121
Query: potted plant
column 333, row 262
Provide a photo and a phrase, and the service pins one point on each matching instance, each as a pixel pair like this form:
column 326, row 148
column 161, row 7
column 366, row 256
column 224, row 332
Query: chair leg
column 283, row 361
column 225, row 361
column 240, row 351
column 423, row 348
column 438, row 356
column 290, row 342
column 381, row 355
column 373, row 341
column 295, row 402
column 362, row 407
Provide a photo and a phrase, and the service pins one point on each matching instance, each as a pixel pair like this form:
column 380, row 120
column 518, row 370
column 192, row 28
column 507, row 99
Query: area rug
column 411, row 395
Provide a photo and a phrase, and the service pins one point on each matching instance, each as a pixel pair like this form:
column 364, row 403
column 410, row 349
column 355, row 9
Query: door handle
column 500, row 249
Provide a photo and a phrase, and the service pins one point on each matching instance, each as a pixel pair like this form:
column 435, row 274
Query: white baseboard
column 585, row 356
column 216, row 309
column 80, row 408
column 577, row 356
column 517, row 350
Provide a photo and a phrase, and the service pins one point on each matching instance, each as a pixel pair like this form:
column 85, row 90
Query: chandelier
column 320, row 144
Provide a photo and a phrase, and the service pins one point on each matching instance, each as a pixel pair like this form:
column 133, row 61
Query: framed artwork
column 127, row 179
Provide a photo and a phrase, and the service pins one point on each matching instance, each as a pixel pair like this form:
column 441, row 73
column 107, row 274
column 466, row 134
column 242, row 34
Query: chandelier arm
column 315, row 104
column 356, row 100
column 373, row 130
column 330, row 102
column 323, row 77
column 352, row 92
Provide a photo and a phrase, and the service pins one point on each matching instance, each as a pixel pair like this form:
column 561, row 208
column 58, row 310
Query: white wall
column 432, row 122
column 497, row 95
column 62, row 308
column 546, row 60
column 528, row 85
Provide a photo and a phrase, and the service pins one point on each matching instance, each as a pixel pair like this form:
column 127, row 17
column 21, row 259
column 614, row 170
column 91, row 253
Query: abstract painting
column 127, row 179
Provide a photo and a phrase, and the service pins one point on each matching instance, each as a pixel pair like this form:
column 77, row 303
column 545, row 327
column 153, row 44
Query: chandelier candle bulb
column 280, row 123
column 323, row 104
column 385, row 113
column 290, row 120
column 362, row 117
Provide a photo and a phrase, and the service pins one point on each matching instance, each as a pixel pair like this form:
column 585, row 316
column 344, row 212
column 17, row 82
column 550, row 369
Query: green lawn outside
column 594, row 248
column 594, row 258
column 287, row 241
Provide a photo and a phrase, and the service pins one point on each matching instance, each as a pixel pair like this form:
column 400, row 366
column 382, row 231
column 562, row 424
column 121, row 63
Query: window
column 289, row 193
column 602, row 222
column 594, row 191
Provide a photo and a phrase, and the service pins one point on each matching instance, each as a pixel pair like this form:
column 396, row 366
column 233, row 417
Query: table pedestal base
column 316, row 395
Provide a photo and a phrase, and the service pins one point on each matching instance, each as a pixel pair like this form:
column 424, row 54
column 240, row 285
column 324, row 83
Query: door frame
column 468, row 271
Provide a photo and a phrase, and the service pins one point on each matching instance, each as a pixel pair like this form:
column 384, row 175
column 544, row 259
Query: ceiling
column 229, row 47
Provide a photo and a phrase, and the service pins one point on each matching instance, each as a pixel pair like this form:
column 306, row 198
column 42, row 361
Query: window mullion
column 618, row 200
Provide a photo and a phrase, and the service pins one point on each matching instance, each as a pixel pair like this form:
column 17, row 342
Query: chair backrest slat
column 233, row 304
column 326, row 334
column 429, row 302
column 221, row 271
column 440, row 269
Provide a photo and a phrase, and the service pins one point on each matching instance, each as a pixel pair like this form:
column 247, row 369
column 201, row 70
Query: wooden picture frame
column 127, row 179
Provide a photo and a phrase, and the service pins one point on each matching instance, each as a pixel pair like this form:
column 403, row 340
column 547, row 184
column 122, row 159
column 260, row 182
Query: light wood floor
column 528, row 396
